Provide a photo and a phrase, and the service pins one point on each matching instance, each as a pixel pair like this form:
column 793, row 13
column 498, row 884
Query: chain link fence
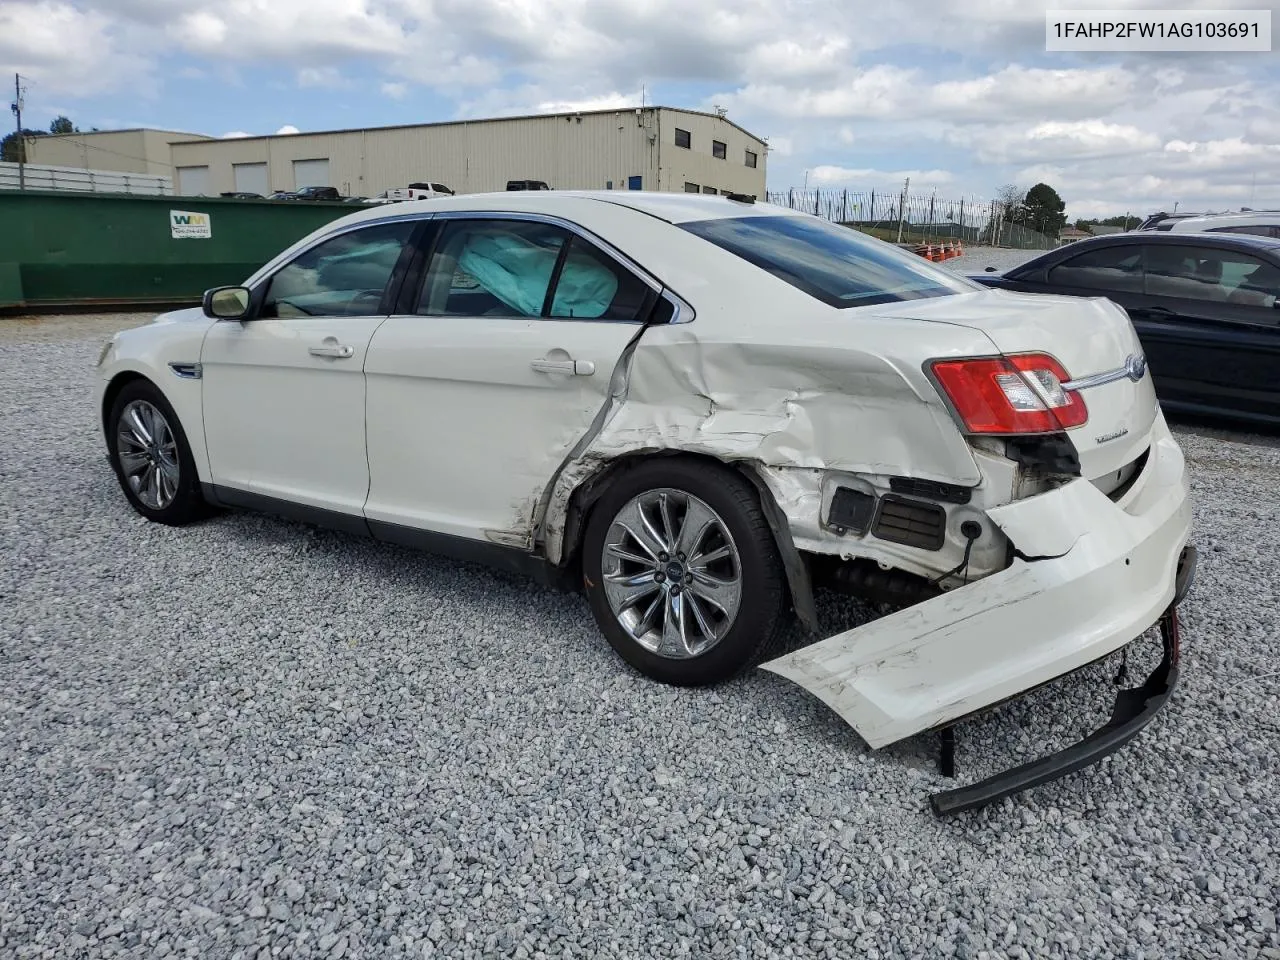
column 890, row 216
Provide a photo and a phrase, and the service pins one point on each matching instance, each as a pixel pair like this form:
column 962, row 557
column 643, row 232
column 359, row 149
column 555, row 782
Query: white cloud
column 236, row 135
column 321, row 77
column 827, row 175
column 978, row 102
column 287, row 129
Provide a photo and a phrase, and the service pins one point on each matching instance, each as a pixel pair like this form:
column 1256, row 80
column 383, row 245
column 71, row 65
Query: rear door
column 478, row 393
column 1211, row 319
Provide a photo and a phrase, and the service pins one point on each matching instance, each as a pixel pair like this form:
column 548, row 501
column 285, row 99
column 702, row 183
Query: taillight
column 1011, row 395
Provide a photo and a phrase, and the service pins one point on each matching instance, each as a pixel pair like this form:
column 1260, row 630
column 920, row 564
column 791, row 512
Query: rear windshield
column 837, row 265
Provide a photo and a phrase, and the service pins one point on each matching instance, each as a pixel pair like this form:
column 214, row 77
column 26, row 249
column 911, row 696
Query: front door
column 477, row 397
column 284, row 393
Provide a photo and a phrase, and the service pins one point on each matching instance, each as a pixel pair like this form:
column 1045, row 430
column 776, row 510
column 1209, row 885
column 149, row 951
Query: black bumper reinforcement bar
column 1134, row 709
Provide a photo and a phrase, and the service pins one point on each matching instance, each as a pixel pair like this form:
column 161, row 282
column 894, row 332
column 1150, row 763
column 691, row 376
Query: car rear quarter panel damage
column 842, row 397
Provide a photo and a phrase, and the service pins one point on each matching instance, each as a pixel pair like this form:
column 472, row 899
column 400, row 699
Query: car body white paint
column 463, row 437
column 1229, row 222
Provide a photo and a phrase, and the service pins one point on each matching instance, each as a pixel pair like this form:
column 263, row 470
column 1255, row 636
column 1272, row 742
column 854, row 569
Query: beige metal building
column 649, row 148
column 122, row 151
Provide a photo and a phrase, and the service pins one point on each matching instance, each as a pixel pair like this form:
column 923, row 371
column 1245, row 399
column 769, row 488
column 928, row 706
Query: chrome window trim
column 682, row 311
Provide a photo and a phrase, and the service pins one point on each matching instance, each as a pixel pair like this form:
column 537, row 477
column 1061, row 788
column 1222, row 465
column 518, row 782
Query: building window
column 634, row 183
column 751, row 159
column 710, row 190
column 608, row 184
column 718, row 149
column 683, row 139
column 691, row 187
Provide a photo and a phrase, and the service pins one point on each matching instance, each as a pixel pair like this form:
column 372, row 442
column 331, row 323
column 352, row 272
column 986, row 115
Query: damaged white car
column 696, row 409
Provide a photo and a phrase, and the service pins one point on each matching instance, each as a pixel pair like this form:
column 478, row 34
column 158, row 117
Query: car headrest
column 1209, row 271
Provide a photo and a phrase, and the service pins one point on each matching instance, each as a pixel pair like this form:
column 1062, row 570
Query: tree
column 1010, row 199
column 62, row 125
column 13, row 149
column 1045, row 210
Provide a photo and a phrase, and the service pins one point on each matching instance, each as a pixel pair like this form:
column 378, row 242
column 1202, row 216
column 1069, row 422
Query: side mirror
column 226, row 303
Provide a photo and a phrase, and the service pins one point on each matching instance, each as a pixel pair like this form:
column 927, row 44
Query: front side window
column 719, row 150
column 683, row 139
column 344, row 276
column 515, row 268
column 1117, row 269
column 837, row 265
column 1218, row 276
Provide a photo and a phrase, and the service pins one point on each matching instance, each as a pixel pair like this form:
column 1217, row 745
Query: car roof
column 669, row 207
column 1162, row 237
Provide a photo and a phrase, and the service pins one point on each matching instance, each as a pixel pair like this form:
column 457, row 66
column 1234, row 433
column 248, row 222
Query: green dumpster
column 64, row 249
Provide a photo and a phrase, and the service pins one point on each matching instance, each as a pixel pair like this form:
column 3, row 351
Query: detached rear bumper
column 1092, row 575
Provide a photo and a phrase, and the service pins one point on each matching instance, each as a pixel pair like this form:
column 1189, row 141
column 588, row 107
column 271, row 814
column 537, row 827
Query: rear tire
column 151, row 457
column 682, row 572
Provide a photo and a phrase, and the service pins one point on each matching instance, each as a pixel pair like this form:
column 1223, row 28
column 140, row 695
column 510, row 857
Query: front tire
column 682, row 572
column 151, row 457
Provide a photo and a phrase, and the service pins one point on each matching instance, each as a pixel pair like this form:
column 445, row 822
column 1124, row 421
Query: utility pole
column 22, row 147
column 902, row 208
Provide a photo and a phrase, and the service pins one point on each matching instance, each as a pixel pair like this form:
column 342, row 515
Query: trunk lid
column 1088, row 336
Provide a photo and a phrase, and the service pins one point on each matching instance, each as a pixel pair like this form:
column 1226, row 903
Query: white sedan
column 695, row 409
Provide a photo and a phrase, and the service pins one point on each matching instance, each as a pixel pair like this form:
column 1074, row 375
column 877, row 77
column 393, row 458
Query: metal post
column 844, row 207
column 933, row 196
column 22, row 147
column 902, row 208
column 962, row 219
column 871, row 216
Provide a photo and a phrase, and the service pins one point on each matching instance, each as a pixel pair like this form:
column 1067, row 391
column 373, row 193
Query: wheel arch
column 113, row 388
column 586, row 495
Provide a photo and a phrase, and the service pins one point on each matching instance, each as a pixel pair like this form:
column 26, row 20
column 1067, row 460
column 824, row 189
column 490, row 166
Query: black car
column 1206, row 307
column 318, row 193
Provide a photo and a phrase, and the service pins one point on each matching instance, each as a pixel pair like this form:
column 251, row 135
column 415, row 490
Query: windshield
column 837, row 265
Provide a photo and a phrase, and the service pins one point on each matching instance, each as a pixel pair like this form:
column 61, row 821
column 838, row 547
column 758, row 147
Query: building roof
column 196, row 137
column 199, row 138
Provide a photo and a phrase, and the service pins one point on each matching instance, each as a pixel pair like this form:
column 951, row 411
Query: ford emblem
column 1135, row 367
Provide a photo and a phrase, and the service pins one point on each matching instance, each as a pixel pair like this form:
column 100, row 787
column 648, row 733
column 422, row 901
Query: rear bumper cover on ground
column 1091, row 576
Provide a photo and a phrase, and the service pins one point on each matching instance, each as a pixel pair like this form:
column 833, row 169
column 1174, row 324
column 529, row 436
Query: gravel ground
column 249, row 739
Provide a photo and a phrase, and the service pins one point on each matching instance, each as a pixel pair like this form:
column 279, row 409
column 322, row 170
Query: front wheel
column 682, row 572
column 151, row 457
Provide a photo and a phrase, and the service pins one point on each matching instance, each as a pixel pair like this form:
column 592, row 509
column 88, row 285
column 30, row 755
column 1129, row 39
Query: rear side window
column 837, row 265
column 1115, row 269
column 514, row 268
column 1218, row 276
column 1256, row 229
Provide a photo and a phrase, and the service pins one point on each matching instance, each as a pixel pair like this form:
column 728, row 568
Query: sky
column 959, row 96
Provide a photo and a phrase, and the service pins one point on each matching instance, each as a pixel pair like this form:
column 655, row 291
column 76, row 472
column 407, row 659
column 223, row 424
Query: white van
column 1263, row 223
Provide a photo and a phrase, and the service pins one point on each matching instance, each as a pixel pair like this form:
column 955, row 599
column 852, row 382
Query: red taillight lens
column 1018, row 394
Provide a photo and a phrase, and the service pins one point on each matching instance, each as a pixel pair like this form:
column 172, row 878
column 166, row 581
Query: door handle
column 1157, row 313
column 338, row 352
column 577, row 368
